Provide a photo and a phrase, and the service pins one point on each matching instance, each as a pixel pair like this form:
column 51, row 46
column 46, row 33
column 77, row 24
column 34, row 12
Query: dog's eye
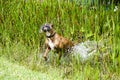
column 48, row 30
column 47, row 26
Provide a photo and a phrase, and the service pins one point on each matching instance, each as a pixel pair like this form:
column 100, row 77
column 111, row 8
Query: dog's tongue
column 47, row 33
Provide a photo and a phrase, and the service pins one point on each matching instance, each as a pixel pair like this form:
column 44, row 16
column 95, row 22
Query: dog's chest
column 51, row 44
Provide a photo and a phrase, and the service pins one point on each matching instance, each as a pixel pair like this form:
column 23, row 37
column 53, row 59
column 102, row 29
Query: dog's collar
column 51, row 35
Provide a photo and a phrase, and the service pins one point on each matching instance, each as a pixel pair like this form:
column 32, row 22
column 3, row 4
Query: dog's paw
column 45, row 58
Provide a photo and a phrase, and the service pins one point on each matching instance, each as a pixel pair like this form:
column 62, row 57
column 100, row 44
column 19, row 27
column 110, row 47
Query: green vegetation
column 21, row 44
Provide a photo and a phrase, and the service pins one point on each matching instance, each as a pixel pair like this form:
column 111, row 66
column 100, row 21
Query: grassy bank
column 21, row 43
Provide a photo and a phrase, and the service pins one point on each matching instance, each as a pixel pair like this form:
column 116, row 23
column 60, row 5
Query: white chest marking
column 50, row 43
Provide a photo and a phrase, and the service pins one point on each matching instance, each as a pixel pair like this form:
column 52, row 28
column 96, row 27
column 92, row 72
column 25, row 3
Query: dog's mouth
column 48, row 33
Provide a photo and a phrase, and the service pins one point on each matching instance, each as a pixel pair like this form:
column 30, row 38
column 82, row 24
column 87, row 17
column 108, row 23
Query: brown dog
column 54, row 41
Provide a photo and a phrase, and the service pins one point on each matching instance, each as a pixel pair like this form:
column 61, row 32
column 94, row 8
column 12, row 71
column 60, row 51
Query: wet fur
column 57, row 43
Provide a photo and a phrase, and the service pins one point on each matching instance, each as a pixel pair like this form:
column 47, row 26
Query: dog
column 54, row 41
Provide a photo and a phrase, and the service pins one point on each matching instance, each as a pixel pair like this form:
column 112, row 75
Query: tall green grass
column 21, row 42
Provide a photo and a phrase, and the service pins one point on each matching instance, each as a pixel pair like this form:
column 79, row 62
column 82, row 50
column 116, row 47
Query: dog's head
column 47, row 28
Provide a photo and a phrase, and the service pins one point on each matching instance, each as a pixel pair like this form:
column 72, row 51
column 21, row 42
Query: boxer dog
column 55, row 41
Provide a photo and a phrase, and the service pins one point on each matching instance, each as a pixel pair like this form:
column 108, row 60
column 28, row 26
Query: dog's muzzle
column 45, row 29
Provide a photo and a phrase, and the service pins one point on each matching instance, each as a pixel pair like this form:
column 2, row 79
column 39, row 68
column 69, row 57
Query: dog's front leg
column 46, row 52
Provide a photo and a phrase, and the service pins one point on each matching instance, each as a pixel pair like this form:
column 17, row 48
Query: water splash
column 85, row 49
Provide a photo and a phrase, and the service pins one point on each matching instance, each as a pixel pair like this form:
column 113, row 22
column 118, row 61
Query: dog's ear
column 51, row 25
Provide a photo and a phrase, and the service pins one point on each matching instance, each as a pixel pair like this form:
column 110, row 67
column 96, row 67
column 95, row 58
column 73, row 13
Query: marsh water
column 85, row 50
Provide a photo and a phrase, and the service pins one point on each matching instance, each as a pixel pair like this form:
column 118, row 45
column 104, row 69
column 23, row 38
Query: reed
column 21, row 42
